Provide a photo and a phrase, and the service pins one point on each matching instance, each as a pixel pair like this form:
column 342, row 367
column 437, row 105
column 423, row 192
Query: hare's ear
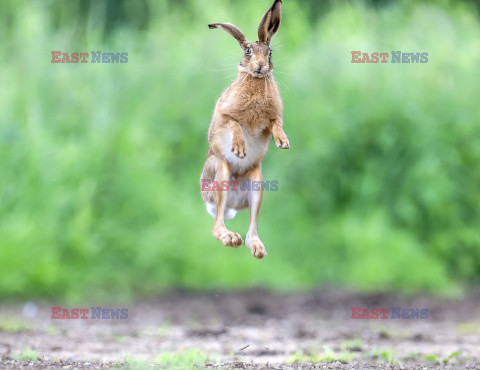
column 270, row 23
column 232, row 30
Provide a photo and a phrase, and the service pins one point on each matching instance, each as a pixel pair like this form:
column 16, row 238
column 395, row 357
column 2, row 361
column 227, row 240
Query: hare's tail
column 229, row 213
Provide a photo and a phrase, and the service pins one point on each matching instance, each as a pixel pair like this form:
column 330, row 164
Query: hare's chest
column 256, row 108
column 259, row 107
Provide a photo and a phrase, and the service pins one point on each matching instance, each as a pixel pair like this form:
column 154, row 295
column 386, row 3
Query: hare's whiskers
column 286, row 73
column 222, row 70
column 225, row 77
column 281, row 60
column 241, row 79
column 266, row 92
column 278, row 47
column 283, row 85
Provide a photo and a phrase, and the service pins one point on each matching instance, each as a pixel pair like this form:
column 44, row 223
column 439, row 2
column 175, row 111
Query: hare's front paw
column 256, row 246
column 282, row 141
column 238, row 148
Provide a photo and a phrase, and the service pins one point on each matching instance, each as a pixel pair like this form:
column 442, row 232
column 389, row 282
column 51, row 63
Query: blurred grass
column 100, row 163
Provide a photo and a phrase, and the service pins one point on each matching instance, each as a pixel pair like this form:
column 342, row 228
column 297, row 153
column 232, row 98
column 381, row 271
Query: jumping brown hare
column 246, row 115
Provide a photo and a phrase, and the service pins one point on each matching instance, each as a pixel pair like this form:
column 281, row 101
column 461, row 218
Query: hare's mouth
column 258, row 73
column 254, row 73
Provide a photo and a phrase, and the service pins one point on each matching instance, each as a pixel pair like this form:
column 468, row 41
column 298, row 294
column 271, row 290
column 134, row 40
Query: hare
column 245, row 116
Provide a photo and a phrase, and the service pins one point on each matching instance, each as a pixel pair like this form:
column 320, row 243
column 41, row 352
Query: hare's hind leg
column 220, row 231
column 252, row 241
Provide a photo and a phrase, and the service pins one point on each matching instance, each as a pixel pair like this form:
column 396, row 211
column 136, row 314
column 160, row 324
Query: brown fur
column 232, row 30
column 270, row 23
column 246, row 115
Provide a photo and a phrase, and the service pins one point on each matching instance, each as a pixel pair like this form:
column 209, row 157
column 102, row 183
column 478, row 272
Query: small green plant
column 26, row 355
column 134, row 364
column 326, row 357
column 387, row 356
column 432, row 358
column 444, row 360
column 183, row 359
column 450, row 356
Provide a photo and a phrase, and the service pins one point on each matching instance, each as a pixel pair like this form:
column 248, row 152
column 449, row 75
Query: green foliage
column 431, row 357
column 100, row 163
column 13, row 326
column 183, row 359
column 326, row 356
column 26, row 355
column 388, row 356
column 444, row 360
column 134, row 364
column 450, row 356
column 186, row 359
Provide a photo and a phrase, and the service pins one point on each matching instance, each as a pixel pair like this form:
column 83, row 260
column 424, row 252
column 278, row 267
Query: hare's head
column 257, row 59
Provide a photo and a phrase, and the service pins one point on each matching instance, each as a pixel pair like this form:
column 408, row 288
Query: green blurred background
column 99, row 163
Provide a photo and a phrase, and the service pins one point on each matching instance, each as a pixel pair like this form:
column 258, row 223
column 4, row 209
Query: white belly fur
column 256, row 147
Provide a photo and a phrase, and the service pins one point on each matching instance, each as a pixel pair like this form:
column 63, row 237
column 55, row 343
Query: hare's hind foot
column 256, row 246
column 227, row 237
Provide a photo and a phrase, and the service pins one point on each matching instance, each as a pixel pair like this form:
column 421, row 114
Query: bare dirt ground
column 254, row 329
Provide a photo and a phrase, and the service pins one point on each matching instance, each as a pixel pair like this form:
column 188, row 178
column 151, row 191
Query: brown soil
column 254, row 329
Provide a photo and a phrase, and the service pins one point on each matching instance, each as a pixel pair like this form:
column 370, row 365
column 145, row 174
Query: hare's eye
column 248, row 51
